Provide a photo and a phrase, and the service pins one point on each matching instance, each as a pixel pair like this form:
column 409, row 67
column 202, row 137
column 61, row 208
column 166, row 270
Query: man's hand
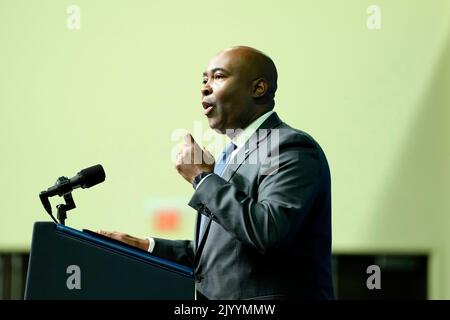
column 192, row 160
column 126, row 238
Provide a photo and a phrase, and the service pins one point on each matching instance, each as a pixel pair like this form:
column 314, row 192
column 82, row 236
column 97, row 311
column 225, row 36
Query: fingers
column 105, row 233
column 110, row 234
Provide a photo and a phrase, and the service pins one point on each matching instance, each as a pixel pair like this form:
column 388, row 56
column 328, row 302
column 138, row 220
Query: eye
column 219, row 76
column 205, row 80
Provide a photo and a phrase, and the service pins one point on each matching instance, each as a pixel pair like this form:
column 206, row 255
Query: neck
column 245, row 124
column 255, row 116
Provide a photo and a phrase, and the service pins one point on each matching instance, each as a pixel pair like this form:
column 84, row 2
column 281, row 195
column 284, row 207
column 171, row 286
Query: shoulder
column 297, row 148
column 289, row 137
column 283, row 134
column 294, row 156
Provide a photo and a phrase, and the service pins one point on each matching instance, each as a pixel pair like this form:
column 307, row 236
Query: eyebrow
column 205, row 73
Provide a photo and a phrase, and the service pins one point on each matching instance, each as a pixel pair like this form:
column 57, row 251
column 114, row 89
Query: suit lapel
column 262, row 133
column 250, row 146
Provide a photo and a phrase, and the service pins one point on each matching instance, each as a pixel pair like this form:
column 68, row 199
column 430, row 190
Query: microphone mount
column 61, row 209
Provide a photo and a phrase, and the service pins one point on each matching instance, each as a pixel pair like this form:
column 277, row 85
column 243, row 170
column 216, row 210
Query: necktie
column 218, row 169
column 224, row 158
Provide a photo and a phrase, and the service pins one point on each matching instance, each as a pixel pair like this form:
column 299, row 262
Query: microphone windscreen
column 91, row 176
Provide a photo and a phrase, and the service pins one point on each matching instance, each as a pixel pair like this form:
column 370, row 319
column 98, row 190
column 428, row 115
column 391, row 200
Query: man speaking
column 264, row 207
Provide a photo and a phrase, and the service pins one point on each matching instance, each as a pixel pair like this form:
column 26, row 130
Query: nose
column 206, row 89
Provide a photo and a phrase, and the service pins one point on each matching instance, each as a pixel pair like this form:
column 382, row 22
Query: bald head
column 254, row 64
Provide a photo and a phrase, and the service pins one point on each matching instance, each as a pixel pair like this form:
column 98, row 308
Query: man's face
column 227, row 92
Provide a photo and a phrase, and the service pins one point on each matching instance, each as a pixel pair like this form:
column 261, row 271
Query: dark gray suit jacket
column 268, row 230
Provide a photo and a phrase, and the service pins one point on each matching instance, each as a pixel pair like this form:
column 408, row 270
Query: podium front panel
column 68, row 264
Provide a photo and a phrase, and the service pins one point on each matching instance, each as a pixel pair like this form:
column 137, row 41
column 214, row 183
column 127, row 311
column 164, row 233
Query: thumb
column 206, row 151
column 207, row 156
column 188, row 139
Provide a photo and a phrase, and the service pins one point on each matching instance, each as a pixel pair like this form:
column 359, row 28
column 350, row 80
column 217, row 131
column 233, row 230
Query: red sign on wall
column 167, row 220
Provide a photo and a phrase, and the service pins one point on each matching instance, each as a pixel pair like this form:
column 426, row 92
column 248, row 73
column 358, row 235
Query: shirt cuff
column 151, row 244
column 201, row 181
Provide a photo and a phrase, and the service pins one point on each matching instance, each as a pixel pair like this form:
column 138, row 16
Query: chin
column 218, row 130
column 213, row 124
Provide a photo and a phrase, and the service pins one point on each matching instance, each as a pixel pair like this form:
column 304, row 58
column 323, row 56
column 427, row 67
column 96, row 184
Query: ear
column 260, row 87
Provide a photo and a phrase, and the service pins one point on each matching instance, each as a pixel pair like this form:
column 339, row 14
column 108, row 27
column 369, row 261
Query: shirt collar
column 241, row 137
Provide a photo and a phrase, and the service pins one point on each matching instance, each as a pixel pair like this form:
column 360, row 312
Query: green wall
column 114, row 92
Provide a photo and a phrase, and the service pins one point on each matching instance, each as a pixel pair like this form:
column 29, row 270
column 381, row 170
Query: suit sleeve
column 284, row 199
column 179, row 251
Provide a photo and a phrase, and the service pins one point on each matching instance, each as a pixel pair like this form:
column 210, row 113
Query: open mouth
column 207, row 107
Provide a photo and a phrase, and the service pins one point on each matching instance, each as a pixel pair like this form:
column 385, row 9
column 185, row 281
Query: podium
column 66, row 263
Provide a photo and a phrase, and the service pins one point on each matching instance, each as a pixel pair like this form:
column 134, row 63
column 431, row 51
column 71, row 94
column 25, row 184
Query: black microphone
column 86, row 178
